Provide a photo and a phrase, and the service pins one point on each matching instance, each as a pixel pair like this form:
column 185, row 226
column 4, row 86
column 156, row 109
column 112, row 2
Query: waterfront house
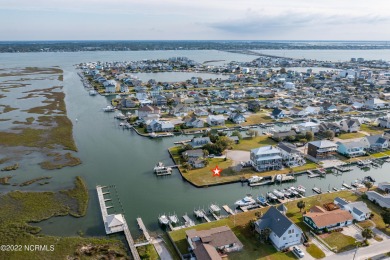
column 384, row 122
column 290, row 154
column 384, row 186
column 180, row 110
column 109, row 86
column 237, row 118
column 350, row 125
column 158, row 126
column 321, row 220
column 199, row 141
column 283, row 232
column 321, row 149
column 148, row 111
column 216, row 120
column 209, row 244
column 196, row 153
column 358, row 209
column 375, row 142
column 381, row 200
column 266, row 158
column 277, row 113
column 351, row 149
column 160, row 100
column 193, row 122
column 308, row 127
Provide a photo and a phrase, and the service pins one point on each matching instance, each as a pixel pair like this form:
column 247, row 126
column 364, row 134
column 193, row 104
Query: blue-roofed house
column 284, row 233
column 266, row 158
column 375, row 142
column 358, row 209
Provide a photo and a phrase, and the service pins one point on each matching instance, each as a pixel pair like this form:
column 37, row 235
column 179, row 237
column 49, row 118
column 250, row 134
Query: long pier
column 124, row 227
column 143, row 228
column 228, row 210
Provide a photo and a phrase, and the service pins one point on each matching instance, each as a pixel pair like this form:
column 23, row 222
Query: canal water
column 114, row 156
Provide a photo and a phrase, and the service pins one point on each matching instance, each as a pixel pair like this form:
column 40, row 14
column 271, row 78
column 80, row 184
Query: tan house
column 321, row 220
column 211, row 244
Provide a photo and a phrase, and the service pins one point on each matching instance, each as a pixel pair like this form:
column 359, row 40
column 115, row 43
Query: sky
column 195, row 20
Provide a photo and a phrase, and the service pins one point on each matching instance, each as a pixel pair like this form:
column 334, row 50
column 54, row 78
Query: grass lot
column 148, row 252
column 315, row 251
column 253, row 249
column 257, row 119
column 247, row 143
column 365, row 224
column 380, row 154
column 351, row 135
column 371, row 129
column 340, row 241
column 20, row 208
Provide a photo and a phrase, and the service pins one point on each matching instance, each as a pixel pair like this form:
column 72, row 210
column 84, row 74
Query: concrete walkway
column 161, row 249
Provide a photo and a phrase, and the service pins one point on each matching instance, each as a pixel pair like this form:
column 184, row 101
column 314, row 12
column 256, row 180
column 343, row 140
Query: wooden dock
column 228, row 210
column 205, row 217
column 124, row 227
column 143, row 228
column 246, row 208
column 188, row 221
column 214, row 215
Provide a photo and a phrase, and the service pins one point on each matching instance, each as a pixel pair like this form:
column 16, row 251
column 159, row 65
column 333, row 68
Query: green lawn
column 247, row 143
column 340, row 241
column 258, row 118
column 351, row 135
column 365, row 224
column 315, row 251
column 148, row 252
column 371, row 129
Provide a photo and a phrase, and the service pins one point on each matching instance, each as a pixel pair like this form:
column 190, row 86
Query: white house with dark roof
column 215, row 120
column 110, row 86
column 277, row 113
column 284, row 233
column 266, row 158
column 350, row 125
column 384, row 122
column 291, row 156
column 358, row 209
column 375, row 142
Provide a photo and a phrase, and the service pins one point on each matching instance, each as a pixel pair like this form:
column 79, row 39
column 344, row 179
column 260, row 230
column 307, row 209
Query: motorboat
column 286, row 193
column 369, row 179
column 254, row 179
column 278, row 194
column 262, row 200
column 278, row 178
column 294, row 191
column 301, row 189
column 271, row 196
column 173, row 219
column 93, row 92
column 109, row 109
column 199, row 213
column 246, row 201
column 120, row 116
column 214, row 208
column 163, row 220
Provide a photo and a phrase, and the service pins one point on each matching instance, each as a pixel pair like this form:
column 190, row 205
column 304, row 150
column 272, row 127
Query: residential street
column 363, row 252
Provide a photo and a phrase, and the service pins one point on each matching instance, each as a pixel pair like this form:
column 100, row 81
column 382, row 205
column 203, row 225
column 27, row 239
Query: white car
column 298, row 252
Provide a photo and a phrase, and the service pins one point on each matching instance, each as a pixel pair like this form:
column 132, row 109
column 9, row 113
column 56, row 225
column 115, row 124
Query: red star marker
column 216, row 171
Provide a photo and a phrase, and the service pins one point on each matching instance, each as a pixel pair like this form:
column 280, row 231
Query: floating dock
column 246, row 208
column 228, row 210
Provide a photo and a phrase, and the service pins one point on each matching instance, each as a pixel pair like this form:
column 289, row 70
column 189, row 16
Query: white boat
column 93, row 92
column 163, row 220
column 120, row 116
column 301, row 189
column 109, row 109
column 278, row 178
column 293, row 191
column 161, row 169
column 173, row 218
column 199, row 213
column 254, row 179
column 278, row 194
column 271, row 196
column 215, row 208
column 246, row 201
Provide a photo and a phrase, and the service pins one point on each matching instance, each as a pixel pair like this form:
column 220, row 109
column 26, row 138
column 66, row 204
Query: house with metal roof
column 375, row 142
column 283, row 232
column 350, row 125
column 266, row 158
column 351, row 149
column 358, row 209
column 381, row 200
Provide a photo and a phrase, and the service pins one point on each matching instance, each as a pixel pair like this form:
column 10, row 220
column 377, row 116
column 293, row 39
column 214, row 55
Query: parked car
column 298, row 252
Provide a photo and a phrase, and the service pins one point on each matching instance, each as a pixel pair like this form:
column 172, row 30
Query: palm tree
column 301, row 205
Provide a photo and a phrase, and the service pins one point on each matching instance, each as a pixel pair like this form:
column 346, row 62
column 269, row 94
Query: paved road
column 161, row 249
column 363, row 252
